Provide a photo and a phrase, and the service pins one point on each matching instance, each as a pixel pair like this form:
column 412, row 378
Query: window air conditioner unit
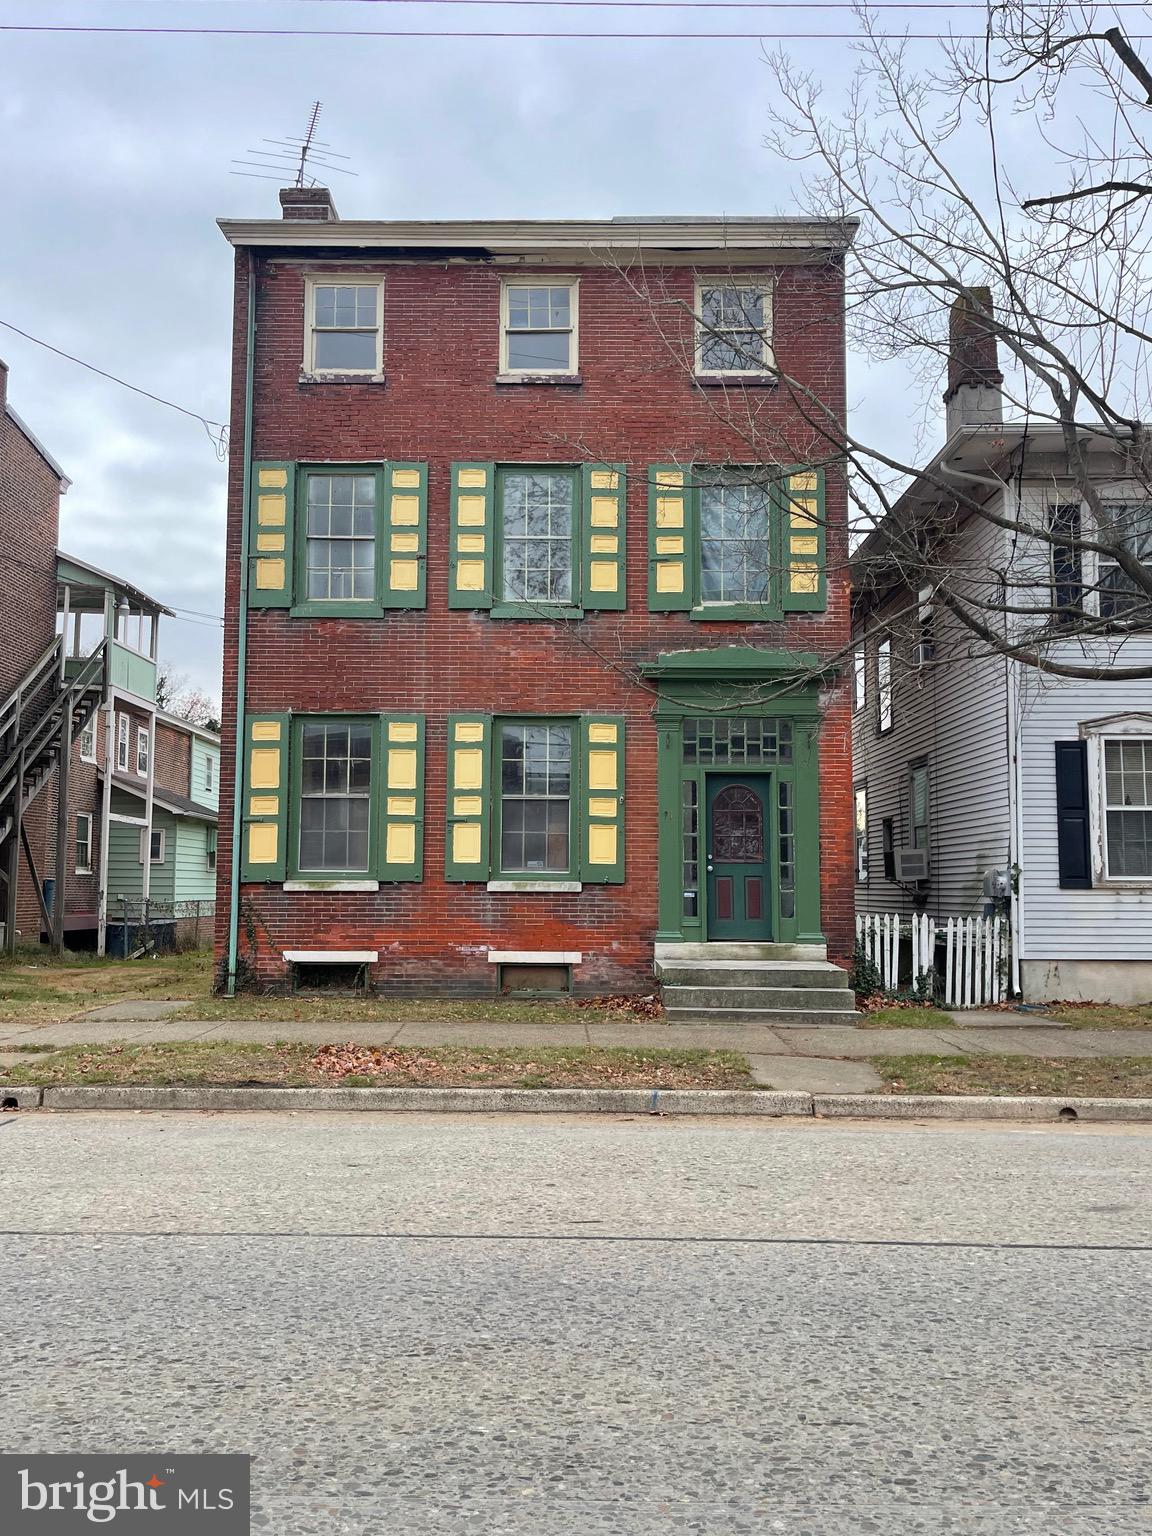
column 911, row 864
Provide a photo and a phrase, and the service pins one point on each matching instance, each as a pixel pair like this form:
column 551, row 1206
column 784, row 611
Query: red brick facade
column 636, row 405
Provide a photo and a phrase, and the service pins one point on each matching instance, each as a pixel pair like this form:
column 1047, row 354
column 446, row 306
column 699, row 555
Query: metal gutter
column 241, row 642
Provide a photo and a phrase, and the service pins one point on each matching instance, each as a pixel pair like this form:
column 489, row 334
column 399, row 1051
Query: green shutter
column 671, row 536
column 467, row 855
column 470, row 560
column 804, row 582
column 604, row 536
column 601, row 812
column 404, row 533
column 272, row 512
column 264, row 814
column 401, row 850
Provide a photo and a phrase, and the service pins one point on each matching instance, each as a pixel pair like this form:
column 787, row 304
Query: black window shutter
column 1072, row 815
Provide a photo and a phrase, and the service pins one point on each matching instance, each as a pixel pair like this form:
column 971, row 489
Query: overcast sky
column 117, row 154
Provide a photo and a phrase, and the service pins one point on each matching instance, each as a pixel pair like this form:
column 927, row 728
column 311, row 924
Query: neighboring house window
column 143, row 744
column 157, row 845
column 340, row 549
column 884, row 685
column 209, row 773
column 918, row 794
column 344, row 333
column 926, row 628
column 734, row 324
column 538, row 328
column 335, row 797
column 888, row 844
column 735, row 554
column 88, row 743
column 1129, row 528
column 535, row 798
column 83, row 843
column 210, row 837
column 859, row 679
column 862, row 835
column 1128, row 807
column 122, row 735
column 1067, row 567
column 537, row 512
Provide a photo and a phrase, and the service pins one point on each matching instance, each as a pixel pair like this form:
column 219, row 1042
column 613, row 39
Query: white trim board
column 331, row 956
column 534, row 957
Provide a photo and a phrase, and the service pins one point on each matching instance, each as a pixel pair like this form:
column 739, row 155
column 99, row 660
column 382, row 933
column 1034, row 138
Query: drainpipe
column 242, row 644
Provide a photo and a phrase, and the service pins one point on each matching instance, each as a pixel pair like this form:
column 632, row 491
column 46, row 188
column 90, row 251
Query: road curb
column 581, row 1101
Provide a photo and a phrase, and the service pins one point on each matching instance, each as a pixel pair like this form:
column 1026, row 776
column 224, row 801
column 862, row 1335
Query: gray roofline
column 39, row 447
column 116, row 581
column 186, row 725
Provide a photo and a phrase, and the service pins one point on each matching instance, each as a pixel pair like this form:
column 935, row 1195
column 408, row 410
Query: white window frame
column 859, row 679
column 732, row 280
column 123, row 741
column 162, row 834
column 860, row 832
column 884, row 716
column 1092, row 560
column 209, row 772
column 143, row 750
column 1096, row 733
column 312, row 281
column 88, row 754
column 543, row 280
column 86, row 867
column 211, row 849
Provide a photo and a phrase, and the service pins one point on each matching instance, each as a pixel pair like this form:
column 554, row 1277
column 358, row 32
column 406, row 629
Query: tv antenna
column 295, row 157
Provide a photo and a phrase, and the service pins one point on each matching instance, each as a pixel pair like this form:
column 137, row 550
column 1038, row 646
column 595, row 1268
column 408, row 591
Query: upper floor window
column 209, row 773
column 734, row 327
column 210, row 842
column 538, row 328
column 859, row 678
column 123, row 731
column 1130, row 528
column 143, row 747
column 1067, row 572
column 340, row 548
column 344, row 333
column 88, row 742
column 861, row 835
column 83, row 843
column 537, row 521
column 918, row 794
column 735, row 558
column 884, row 686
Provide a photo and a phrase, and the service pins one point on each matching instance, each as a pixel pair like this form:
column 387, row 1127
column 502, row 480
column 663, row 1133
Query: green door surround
column 732, row 682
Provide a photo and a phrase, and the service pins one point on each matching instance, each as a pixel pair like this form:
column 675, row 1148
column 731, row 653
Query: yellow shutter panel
column 602, row 799
column 466, row 855
column 264, row 814
column 473, row 536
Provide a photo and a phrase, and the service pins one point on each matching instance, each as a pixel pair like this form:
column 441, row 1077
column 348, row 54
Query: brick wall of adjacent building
column 638, row 406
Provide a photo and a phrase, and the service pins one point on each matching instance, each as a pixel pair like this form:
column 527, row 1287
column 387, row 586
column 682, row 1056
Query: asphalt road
column 525, row 1326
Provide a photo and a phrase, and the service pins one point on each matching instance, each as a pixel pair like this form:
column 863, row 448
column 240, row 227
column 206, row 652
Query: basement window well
column 330, row 970
column 535, row 980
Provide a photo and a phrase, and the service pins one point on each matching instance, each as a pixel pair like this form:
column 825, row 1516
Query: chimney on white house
column 313, row 203
column 973, row 397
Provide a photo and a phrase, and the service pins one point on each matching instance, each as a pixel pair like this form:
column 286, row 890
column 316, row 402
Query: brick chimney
column 313, row 203
column 973, row 396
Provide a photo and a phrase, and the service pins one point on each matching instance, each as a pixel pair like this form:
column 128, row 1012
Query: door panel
column 738, row 855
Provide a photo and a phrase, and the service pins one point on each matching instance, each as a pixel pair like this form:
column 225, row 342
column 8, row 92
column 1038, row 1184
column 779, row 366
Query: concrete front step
column 773, row 1018
column 668, row 953
column 740, row 973
column 834, row 999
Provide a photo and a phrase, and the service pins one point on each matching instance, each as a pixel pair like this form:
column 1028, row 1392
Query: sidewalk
column 829, row 1059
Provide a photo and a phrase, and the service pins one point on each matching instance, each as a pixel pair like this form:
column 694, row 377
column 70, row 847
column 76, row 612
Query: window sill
column 748, row 380
column 535, row 957
column 325, row 886
column 574, row 380
column 352, row 609
column 535, row 611
column 740, row 613
column 342, row 378
column 527, row 887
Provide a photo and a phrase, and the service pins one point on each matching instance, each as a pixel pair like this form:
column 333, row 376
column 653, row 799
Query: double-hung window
column 859, row 679
column 340, row 538
column 535, row 798
column 123, row 730
column 1127, row 762
column 344, row 328
column 335, row 802
column 1128, row 527
column 735, row 538
column 538, row 515
column 538, row 328
column 156, row 845
column 733, row 327
column 918, row 796
column 88, row 742
column 210, row 843
column 861, row 834
column 83, row 843
column 143, row 748
column 884, row 686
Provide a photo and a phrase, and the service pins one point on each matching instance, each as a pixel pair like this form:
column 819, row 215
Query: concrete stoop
column 778, row 985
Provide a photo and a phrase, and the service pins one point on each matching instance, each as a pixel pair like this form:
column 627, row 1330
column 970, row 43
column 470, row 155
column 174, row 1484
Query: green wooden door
column 738, row 856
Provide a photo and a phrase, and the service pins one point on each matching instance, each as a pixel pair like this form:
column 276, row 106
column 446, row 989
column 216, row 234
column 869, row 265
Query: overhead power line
column 722, row 5
column 611, row 37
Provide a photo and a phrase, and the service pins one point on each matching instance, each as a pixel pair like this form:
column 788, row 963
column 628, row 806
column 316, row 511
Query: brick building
column 531, row 655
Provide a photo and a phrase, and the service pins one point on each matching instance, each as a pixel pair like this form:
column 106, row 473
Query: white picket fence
column 975, row 953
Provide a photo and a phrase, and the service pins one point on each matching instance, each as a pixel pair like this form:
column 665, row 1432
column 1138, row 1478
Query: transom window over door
column 335, row 796
column 539, row 330
column 1128, row 807
column 535, row 798
column 735, row 549
column 537, row 523
column 341, row 533
column 344, row 328
column 733, row 329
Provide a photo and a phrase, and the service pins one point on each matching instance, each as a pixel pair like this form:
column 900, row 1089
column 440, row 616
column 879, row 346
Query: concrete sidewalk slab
column 273, row 1031
column 498, row 1035
column 756, row 1038
column 837, row 1040
column 1026, row 1042
column 993, row 1018
column 814, row 1074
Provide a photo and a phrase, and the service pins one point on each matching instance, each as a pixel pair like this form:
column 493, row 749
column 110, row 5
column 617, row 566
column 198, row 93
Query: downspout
column 241, row 644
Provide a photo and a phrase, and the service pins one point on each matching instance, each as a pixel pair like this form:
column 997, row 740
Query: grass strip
column 1117, row 1077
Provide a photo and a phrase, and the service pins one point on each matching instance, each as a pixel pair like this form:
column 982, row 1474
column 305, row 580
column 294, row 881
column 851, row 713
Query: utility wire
column 218, row 436
column 600, row 37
